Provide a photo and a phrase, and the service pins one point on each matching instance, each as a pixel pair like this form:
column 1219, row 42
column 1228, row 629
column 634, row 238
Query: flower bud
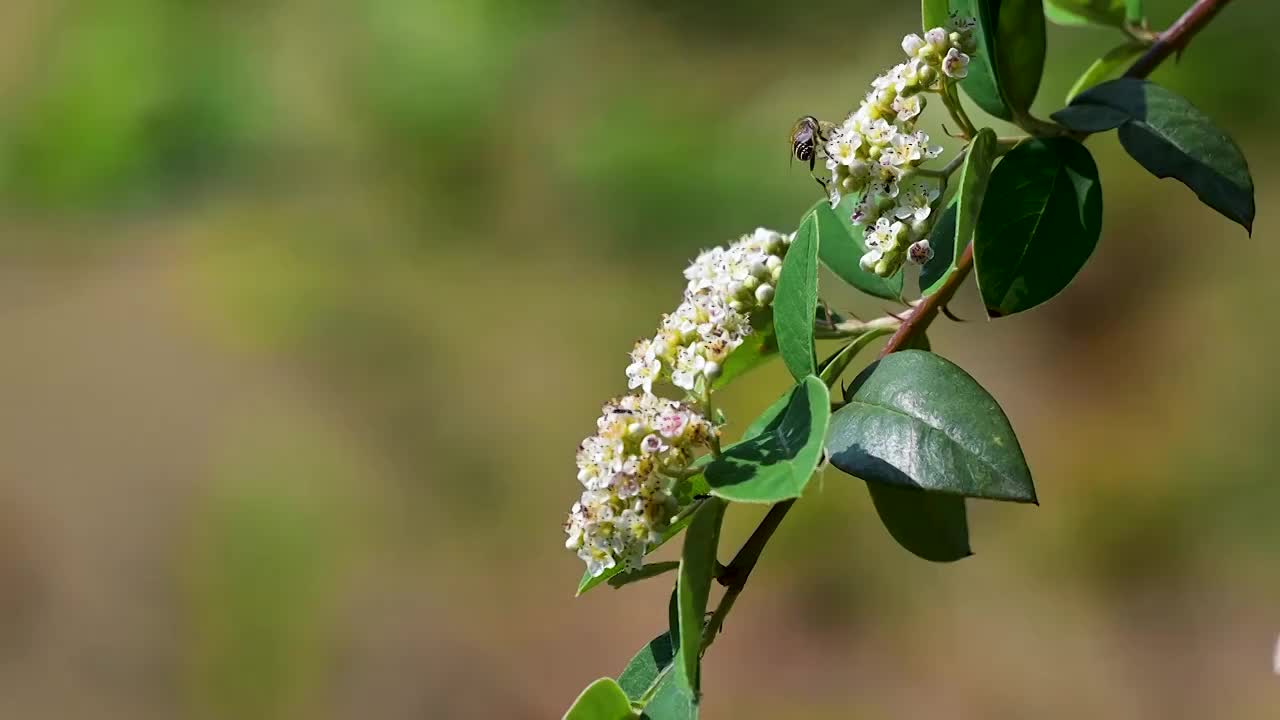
column 937, row 40
column 764, row 294
column 912, row 44
column 868, row 261
column 711, row 370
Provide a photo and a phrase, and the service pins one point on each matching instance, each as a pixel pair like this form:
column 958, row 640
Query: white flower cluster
column 629, row 468
column 876, row 150
column 725, row 285
column 634, row 464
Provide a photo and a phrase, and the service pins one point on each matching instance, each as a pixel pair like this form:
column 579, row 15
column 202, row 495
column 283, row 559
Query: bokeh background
column 306, row 305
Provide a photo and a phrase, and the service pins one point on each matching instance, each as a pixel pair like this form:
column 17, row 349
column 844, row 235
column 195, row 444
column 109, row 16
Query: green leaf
column 843, row 245
column 602, row 700
column 934, row 13
column 780, row 452
column 1020, row 52
column 973, row 185
column 942, row 240
column 1004, row 74
column 758, row 348
column 796, row 299
column 915, row 420
column 982, row 84
column 1113, row 63
column 644, row 573
column 968, row 204
column 697, row 567
column 930, row 525
column 1039, row 224
column 1170, row 138
column 831, row 368
column 674, row 529
column 673, row 699
column 1085, row 12
column 648, row 665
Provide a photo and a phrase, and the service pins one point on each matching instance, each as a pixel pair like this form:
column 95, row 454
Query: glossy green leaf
column 829, row 370
column 915, row 420
column 843, row 245
column 647, row 667
column 1004, row 74
column 973, row 186
column 1039, row 224
column 757, row 349
column 1106, row 67
column 776, row 459
column 934, row 13
column 674, row 529
column 932, row 526
column 602, row 700
column 968, row 204
column 982, row 84
column 1170, row 138
column 796, row 299
column 697, row 568
column 673, row 699
column 1085, row 12
column 648, row 570
column 1020, row 52
column 942, row 239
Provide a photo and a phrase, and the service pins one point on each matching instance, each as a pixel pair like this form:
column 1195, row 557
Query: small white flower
column 915, row 203
column 688, row 368
column 920, row 252
column 908, row 108
column 881, row 132
column 955, row 65
column 645, row 367
column 884, row 235
column 843, row 146
column 910, row 78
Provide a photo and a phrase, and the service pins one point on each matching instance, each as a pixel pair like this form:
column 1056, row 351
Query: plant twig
column 735, row 574
column 924, row 311
column 1175, row 39
column 829, row 330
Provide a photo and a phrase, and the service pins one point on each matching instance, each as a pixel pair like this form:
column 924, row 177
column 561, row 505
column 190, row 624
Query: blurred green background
column 306, row 306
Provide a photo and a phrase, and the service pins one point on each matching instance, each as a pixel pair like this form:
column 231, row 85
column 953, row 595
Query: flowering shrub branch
column 1022, row 213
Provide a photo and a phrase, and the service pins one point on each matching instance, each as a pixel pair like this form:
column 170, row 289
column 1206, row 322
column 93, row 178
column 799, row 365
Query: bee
column 805, row 136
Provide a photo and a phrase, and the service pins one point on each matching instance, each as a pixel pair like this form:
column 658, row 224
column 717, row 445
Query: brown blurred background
column 306, row 305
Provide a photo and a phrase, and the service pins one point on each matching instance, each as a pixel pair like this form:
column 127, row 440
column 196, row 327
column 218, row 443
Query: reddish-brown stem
column 1176, row 37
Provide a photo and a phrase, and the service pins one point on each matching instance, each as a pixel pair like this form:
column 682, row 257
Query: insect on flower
column 805, row 136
